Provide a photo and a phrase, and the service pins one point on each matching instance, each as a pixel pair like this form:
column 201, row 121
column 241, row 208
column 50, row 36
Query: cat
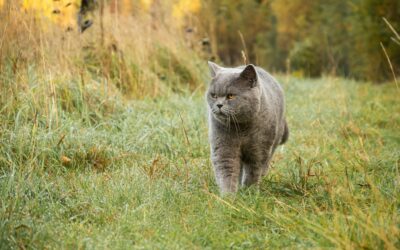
column 247, row 123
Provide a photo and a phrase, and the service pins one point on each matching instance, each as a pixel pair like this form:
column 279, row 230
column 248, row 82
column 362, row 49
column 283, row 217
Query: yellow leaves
column 146, row 4
column 68, row 13
column 184, row 7
column 44, row 7
column 180, row 8
column 62, row 12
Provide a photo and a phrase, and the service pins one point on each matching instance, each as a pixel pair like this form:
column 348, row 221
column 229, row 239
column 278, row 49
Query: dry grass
column 105, row 146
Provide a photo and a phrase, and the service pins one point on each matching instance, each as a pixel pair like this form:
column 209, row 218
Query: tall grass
column 141, row 177
column 104, row 145
column 140, row 55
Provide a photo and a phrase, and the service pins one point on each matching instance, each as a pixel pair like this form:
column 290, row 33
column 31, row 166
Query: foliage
column 345, row 36
column 64, row 12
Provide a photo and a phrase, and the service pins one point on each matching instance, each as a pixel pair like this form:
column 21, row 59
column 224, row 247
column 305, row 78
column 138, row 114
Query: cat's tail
column 285, row 135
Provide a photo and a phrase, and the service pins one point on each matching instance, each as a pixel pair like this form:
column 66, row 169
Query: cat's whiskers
column 235, row 122
column 229, row 123
column 227, row 117
column 232, row 115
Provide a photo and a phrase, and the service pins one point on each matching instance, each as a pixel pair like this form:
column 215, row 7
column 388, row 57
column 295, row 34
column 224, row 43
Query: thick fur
column 246, row 124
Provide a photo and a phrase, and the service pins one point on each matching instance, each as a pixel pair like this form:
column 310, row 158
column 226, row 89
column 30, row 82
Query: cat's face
column 234, row 94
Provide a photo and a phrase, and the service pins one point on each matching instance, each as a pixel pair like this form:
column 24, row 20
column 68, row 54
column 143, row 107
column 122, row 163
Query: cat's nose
column 219, row 105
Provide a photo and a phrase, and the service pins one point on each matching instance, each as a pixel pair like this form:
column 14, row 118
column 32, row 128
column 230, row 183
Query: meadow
column 105, row 146
column 140, row 176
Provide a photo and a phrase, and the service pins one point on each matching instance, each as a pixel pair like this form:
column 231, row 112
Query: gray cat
column 246, row 123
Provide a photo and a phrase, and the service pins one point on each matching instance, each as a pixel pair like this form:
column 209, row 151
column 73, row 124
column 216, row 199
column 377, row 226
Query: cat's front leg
column 252, row 173
column 255, row 165
column 226, row 162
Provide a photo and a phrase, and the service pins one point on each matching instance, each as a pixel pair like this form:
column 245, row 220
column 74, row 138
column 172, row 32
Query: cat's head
column 234, row 93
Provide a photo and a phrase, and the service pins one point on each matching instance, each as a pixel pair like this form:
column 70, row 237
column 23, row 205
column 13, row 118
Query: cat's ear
column 214, row 68
column 250, row 74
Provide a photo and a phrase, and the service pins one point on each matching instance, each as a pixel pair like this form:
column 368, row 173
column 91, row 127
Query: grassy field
column 89, row 170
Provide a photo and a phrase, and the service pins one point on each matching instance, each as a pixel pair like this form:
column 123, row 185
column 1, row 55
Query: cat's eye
column 229, row 96
column 213, row 95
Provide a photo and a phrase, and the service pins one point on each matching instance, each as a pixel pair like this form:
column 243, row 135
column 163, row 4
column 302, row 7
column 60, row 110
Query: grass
column 105, row 146
column 108, row 173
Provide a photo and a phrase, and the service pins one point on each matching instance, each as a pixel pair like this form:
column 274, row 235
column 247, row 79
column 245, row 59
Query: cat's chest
column 253, row 150
column 254, row 138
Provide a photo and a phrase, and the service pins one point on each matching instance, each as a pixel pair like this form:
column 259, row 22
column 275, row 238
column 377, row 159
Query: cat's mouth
column 219, row 112
column 220, row 115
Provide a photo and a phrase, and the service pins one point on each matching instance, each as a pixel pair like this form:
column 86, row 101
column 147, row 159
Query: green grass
column 104, row 173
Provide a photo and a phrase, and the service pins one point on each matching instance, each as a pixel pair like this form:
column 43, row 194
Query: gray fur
column 245, row 131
